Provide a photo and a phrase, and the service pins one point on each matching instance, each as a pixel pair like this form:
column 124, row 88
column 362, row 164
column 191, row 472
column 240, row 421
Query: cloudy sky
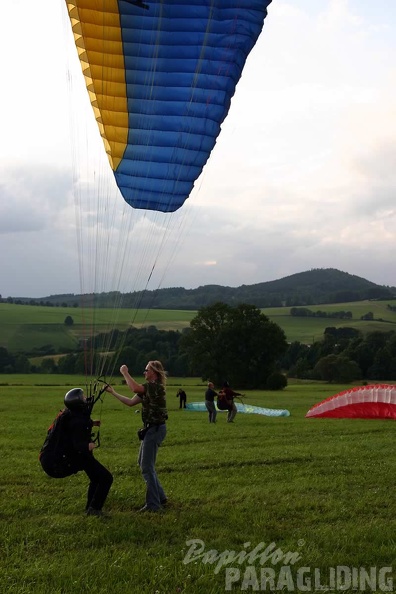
column 303, row 175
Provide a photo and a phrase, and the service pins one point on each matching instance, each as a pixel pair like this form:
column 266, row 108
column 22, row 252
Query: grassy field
column 24, row 327
column 307, row 330
column 322, row 491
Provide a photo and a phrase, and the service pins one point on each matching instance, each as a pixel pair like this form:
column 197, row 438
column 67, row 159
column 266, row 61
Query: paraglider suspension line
column 95, row 394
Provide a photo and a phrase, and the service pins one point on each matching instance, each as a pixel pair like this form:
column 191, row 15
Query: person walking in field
column 183, row 398
column 152, row 396
column 210, row 395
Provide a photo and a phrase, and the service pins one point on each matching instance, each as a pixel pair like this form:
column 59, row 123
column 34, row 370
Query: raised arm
column 131, row 383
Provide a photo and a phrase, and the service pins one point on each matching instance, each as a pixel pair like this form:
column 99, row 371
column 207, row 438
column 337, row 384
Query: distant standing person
column 152, row 396
column 226, row 397
column 183, row 398
column 210, row 395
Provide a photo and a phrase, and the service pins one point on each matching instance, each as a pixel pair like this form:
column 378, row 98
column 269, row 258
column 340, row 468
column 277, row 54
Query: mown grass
column 25, row 327
column 321, row 488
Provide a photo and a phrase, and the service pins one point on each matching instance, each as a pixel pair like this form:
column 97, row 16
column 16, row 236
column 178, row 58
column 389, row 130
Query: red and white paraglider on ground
column 365, row 402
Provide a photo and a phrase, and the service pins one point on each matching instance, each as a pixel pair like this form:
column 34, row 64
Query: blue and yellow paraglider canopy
column 161, row 75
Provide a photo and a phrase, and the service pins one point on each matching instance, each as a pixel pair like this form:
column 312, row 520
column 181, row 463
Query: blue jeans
column 147, row 457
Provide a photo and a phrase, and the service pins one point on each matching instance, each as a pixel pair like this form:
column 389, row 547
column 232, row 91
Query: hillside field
column 25, row 328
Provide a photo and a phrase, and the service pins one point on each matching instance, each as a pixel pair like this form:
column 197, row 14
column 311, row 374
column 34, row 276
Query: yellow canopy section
column 97, row 34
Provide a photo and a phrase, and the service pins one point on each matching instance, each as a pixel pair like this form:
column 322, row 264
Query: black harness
column 95, row 393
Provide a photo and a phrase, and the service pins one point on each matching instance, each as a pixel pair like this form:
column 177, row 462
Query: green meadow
column 26, row 327
column 315, row 497
column 309, row 330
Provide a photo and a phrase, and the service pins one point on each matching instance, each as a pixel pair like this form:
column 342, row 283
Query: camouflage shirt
column 154, row 403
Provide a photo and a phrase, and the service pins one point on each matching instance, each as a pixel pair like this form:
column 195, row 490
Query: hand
column 91, row 446
column 110, row 389
column 123, row 369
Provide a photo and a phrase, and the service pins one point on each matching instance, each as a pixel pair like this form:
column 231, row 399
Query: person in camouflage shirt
column 154, row 404
column 152, row 396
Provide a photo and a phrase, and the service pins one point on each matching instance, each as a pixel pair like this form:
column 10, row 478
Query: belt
column 149, row 425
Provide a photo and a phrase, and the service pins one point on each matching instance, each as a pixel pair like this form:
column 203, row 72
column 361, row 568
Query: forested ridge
column 313, row 287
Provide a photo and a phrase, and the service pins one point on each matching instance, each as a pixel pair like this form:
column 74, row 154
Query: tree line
column 313, row 287
column 304, row 312
column 238, row 344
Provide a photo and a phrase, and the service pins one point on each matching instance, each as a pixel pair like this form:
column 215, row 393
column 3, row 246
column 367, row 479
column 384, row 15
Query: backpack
column 223, row 402
column 53, row 455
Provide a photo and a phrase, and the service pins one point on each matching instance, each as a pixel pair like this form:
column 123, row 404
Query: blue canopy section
column 243, row 408
column 183, row 59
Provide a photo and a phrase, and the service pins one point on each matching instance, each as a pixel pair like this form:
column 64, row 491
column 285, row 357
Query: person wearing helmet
column 152, row 396
column 73, row 451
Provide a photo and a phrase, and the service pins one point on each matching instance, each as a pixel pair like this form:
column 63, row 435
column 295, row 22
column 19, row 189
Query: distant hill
column 313, row 287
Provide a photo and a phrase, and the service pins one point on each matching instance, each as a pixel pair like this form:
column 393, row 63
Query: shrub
column 276, row 381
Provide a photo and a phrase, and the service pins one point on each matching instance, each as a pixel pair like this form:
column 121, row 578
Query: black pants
column 100, row 478
column 100, row 481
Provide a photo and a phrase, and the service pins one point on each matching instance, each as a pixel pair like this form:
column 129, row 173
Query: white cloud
column 33, row 199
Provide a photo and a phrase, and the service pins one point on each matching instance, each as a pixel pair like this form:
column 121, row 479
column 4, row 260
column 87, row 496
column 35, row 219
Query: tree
column 337, row 368
column 68, row 321
column 238, row 344
column 295, row 352
column 67, row 363
column 202, row 343
column 302, row 369
column 6, row 361
column 48, row 366
column 22, row 364
column 368, row 316
column 126, row 355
